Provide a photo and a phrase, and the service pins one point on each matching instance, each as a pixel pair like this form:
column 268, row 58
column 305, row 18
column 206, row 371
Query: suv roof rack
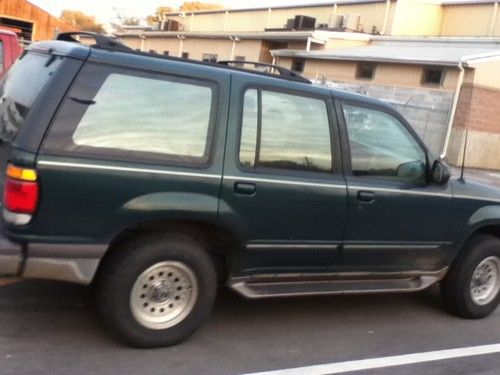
column 101, row 41
column 111, row 43
column 283, row 72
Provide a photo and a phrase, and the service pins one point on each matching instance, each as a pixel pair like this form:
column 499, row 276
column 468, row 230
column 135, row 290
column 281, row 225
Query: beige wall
column 405, row 17
column 196, row 47
column 467, row 20
column 385, row 74
column 344, row 43
column 417, row 18
column 279, row 17
column 487, row 75
column 372, row 14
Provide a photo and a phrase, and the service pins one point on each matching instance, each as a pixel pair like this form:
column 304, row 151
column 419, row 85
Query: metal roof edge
column 285, row 53
column 298, row 6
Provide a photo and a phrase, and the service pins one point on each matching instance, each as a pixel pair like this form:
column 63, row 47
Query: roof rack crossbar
column 283, row 72
column 101, row 41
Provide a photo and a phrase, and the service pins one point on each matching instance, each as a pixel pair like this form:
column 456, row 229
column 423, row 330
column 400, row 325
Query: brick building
column 30, row 22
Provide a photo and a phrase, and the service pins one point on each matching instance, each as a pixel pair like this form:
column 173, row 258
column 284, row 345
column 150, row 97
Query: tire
column 156, row 290
column 471, row 288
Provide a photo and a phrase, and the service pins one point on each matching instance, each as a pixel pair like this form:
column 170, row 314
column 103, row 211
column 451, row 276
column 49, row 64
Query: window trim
column 100, row 72
column 211, row 58
column 298, row 60
column 335, row 143
column 358, row 70
column 433, row 84
column 346, row 148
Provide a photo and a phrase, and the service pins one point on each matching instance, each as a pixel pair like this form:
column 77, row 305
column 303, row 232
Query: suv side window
column 285, row 131
column 381, row 146
column 140, row 117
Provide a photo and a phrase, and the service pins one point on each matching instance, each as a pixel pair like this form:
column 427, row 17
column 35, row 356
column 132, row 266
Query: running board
column 265, row 286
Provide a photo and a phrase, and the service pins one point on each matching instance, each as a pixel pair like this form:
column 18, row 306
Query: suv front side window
column 381, row 146
column 284, row 131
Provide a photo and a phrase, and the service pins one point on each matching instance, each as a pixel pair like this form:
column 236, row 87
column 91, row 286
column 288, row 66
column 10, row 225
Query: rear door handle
column 246, row 188
column 366, row 196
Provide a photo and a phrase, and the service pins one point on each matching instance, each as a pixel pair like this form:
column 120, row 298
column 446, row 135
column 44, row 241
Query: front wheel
column 156, row 290
column 471, row 289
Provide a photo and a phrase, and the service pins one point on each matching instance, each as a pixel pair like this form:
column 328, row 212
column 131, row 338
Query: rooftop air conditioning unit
column 304, row 23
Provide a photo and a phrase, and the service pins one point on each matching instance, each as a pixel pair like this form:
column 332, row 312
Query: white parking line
column 398, row 360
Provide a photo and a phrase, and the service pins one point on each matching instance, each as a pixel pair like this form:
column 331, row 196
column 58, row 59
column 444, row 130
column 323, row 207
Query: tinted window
column 147, row 115
column 382, row 146
column 131, row 117
column 285, row 131
column 20, row 87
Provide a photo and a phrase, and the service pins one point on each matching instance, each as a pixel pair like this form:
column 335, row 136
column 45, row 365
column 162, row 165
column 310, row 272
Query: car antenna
column 462, row 168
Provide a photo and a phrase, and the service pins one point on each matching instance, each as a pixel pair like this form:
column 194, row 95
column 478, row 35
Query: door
column 397, row 221
column 283, row 190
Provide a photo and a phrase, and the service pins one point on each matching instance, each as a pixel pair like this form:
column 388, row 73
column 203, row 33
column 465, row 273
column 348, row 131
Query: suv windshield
column 19, row 88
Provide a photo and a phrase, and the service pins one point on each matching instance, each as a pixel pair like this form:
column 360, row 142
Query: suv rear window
column 20, row 87
column 134, row 116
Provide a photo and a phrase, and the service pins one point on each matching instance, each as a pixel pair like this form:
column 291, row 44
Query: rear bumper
column 75, row 263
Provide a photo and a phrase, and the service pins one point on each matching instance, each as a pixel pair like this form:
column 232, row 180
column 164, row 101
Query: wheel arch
column 220, row 242
column 491, row 227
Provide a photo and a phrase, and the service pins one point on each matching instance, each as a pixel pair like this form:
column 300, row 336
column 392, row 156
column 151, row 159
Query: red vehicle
column 9, row 49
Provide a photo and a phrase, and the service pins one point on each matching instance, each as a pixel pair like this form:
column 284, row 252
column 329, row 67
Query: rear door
column 283, row 189
column 130, row 147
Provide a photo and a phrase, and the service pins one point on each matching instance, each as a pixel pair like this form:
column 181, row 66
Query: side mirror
column 440, row 173
column 412, row 169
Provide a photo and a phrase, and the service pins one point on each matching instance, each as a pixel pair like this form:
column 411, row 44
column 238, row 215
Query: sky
column 104, row 10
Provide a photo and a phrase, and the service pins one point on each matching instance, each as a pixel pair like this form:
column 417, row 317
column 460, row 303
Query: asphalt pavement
column 53, row 328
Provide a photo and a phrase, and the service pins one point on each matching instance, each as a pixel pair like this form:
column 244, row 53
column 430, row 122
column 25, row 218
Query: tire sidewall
column 147, row 254
column 482, row 250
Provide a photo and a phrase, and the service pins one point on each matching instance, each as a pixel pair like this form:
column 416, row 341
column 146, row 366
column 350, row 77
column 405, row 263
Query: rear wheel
column 156, row 290
column 471, row 289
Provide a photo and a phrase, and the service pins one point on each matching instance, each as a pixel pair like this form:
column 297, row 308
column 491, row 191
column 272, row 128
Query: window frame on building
column 427, row 71
column 209, row 58
column 298, row 64
column 185, row 55
column 366, row 67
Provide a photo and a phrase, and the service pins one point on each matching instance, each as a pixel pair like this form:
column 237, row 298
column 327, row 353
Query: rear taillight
column 20, row 195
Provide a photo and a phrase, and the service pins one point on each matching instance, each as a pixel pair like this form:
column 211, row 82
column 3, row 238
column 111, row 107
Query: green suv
column 156, row 179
